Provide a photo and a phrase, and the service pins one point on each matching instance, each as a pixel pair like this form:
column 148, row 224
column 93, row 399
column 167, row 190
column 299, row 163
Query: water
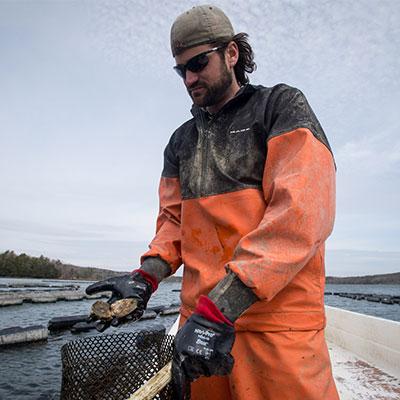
column 34, row 371
column 387, row 311
column 30, row 372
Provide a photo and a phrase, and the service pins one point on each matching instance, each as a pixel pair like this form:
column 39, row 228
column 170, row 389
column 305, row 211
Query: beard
column 214, row 93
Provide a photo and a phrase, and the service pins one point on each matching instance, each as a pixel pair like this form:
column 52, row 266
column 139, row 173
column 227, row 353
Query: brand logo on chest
column 239, row 130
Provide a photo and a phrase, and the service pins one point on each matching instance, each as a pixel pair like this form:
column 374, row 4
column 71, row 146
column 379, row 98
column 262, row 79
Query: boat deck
column 358, row 380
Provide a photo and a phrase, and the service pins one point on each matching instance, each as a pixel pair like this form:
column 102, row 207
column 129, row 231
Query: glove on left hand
column 137, row 285
column 202, row 346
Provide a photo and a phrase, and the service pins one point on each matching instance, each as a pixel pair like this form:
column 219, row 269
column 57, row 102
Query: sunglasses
column 196, row 63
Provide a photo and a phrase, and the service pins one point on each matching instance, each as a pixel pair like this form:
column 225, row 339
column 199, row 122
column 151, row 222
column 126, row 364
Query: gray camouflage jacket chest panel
column 227, row 152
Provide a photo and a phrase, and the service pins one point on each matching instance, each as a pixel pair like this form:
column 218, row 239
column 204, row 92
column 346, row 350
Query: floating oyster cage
column 113, row 366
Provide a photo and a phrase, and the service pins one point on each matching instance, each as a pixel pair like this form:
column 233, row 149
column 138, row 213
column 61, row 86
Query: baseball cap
column 199, row 25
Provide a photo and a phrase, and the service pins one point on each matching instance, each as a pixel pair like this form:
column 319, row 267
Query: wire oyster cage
column 114, row 366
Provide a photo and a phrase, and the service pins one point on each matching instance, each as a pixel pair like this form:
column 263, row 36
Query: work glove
column 138, row 285
column 202, row 347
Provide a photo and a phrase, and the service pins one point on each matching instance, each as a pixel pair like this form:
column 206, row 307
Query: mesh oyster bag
column 113, row 366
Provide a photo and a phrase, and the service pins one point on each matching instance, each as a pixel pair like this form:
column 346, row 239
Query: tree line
column 24, row 266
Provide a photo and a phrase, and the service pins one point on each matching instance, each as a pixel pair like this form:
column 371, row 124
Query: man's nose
column 191, row 78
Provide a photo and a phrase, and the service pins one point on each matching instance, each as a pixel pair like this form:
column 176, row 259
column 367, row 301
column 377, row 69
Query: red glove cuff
column 207, row 309
column 149, row 278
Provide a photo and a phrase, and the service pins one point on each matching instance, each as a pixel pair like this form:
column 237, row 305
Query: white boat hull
column 365, row 354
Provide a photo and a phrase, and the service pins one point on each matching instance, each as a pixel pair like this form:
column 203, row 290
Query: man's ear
column 232, row 54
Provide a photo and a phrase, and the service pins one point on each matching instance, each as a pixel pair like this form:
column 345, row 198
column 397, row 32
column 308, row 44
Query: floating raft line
column 11, row 302
column 39, row 285
column 17, row 298
column 74, row 323
column 16, row 334
column 45, row 299
column 149, row 314
column 170, row 311
column 79, row 323
column 83, row 327
column 376, row 298
column 61, row 323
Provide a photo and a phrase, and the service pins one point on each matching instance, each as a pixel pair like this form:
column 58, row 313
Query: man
column 247, row 199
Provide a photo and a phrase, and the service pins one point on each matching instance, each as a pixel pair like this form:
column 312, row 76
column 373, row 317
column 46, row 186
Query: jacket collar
column 243, row 93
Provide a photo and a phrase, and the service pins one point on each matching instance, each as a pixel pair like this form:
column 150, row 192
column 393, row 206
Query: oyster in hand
column 124, row 307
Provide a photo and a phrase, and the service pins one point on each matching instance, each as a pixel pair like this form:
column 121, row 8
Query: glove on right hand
column 202, row 347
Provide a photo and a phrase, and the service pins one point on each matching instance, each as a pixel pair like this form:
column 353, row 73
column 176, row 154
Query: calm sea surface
column 34, row 371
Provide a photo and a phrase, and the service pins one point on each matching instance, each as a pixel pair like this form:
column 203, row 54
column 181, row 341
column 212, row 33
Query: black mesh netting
column 113, row 366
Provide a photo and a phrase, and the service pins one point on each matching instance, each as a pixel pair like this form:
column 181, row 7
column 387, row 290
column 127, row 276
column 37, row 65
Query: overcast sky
column 88, row 101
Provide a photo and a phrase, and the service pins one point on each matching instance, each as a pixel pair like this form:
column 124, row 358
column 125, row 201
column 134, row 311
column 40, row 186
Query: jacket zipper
column 204, row 162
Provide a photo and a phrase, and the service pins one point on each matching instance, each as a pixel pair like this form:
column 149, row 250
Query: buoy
column 83, row 327
column 60, row 323
column 17, row 334
column 10, row 302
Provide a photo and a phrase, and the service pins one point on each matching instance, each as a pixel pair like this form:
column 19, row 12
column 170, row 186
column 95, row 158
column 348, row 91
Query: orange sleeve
column 167, row 241
column 299, row 190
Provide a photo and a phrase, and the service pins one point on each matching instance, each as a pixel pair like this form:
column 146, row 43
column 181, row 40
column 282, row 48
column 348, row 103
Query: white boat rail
column 365, row 354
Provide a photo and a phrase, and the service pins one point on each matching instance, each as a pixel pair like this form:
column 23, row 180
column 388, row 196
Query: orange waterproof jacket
column 251, row 189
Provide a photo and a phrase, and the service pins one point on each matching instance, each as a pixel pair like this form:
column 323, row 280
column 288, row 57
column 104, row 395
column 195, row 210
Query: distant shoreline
column 382, row 279
column 25, row 266
column 385, row 279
